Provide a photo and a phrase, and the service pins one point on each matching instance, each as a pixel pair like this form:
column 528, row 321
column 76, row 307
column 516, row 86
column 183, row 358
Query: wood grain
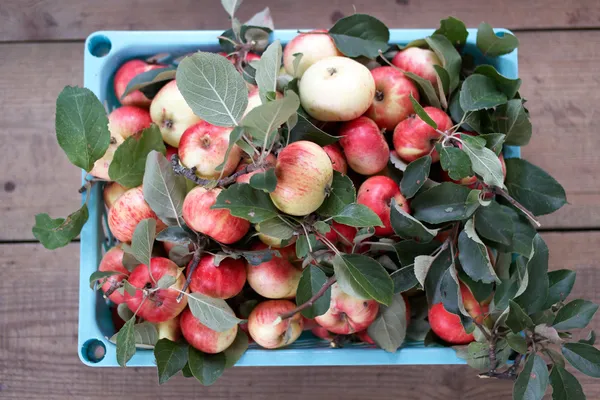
column 38, row 344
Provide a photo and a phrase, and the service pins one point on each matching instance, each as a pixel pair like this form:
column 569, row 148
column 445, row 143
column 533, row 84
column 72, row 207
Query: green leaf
column 129, row 288
column 510, row 87
column 576, row 314
column 534, row 296
column 214, row 313
column 517, row 342
column 341, row 194
column 407, row 250
column 265, row 181
column 129, row 162
column 163, row 190
column 186, row 372
column 312, row 280
column 322, row 227
column 473, row 120
column 126, row 343
column 206, row 368
column 180, row 255
column 421, row 268
column 456, row 162
column 262, row 19
column 494, row 224
column 583, row 357
column 101, row 275
column 494, row 141
column 171, row 357
column 265, row 119
column 591, row 338
column 523, row 233
column 435, row 273
column 415, row 176
column 304, row 244
column 55, row 233
column 407, row 227
column 358, row 215
column 237, row 349
column 479, row 92
column 478, row 356
column 512, row 120
column 246, row 202
column 450, row 58
column 444, row 80
column 404, row 279
column 533, row 187
column 213, row 88
column 532, row 382
column 442, row 203
column 427, row 90
column 555, row 357
column 143, row 240
column 256, row 257
column 517, row 320
column 145, row 335
column 235, row 137
column 176, row 234
column 454, row 30
column 231, row 6
column 166, row 281
column 565, row 385
column 81, row 126
column 389, row 328
column 361, row 276
column 306, row 130
column 493, row 45
column 150, row 82
column 268, row 69
column 360, row 35
column 124, row 312
column 276, row 228
column 420, row 111
column 484, row 162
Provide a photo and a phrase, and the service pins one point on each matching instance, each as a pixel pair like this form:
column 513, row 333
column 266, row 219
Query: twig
column 194, row 264
column 509, row 374
column 310, row 301
column 190, row 173
column 518, row 205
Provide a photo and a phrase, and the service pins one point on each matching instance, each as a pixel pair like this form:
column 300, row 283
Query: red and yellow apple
column 277, row 278
column 202, row 337
column 336, row 155
column 270, row 162
column 365, row 148
column 125, row 74
column 170, row 329
column 419, row 62
column 221, row 282
column 113, row 261
column 268, row 335
column 313, row 46
column 112, row 191
column 377, row 193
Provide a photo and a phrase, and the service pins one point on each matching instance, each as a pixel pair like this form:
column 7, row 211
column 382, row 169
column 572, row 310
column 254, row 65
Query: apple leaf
column 304, row 244
column 591, row 338
column 277, row 228
column 129, row 162
column 389, row 328
column 435, row 274
column 176, row 234
column 237, row 349
column 512, row 120
column 341, row 194
column 454, row 30
column 493, row 45
column 456, row 162
column 235, row 137
column 312, row 280
column 404, row 279
column 442, row 203
column 415, row 176
column 181, row 255
column 262, row 19
column 265, row 181
column 584, row 357
column 494, row 141
column 576, row 314
column 443, row 83
column 126, row 342
column 145, row 335
column 427, row 90
column 565, row 385
column 166, row 281
column 510, row 87
column 450, row 58
column 257, row 257
column 306, row 130
column 560, row 283
column 534, row 296
column 268, row 69
column 143, row 240
column 360, row 35
column 150, row 82
column 420, row 111
column 81, row 126
column 55, row 233
column 358, row 216
column 101, row 275
column 533, row 380
column 124, row 312
column 214, row 313
column 517, row 319
column 213, row 88
column 206, row 368
column 473, row 255
column 494, row 224
column 408, row 227
column 479, row 92
column 163, row 190
column 484, row 161
column 473, row 120
column 517, row 342
column 263, row 121
column 171, row 357
column 361, row 276
column 246, row 202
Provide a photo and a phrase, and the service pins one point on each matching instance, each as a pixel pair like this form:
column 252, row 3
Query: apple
column 347, row 314
column 413, row 138
column 322, row 333
column 272, row 241
column 127, row 212
column 254, row 99
column 342, row 235
column 202, row 337
column 125, row 74
column 270, row 162
column 419, row 62
column 304, row 174
column 277, row 278
column 218, row 223
column 203, row 146
column 160, row 305
column 392, row 102
column 313, row 46
column 168, row 246
column 336, row 89
column 471, row 181
column 170, row 329
column 221, row 282
column 365, row 147
column 171, row 113
column 363, row 336
column 338, row 161
column 269, row 336
column 112, row 191
column 377, row 193
column 171, row 151
column 247, row 60
column 113, row 261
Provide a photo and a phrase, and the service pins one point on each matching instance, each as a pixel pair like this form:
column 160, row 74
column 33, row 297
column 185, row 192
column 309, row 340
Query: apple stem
column 310, row 301
column 518, row 205
column 194, row 264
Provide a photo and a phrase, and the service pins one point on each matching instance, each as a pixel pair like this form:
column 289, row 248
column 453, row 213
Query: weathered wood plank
column 559, row 82
column 75, row 19
column 38, row 345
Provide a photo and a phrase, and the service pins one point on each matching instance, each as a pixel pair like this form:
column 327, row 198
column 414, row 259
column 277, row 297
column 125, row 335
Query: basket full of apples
column 348, row 196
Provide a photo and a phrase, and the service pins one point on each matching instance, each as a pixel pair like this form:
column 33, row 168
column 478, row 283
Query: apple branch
column 518, row 205
column 310, row 301
column 193, row 265
column 190, row 173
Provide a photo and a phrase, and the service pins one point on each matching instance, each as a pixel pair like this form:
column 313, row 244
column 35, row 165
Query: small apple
column 313, row 46
column 221, row 282
column 336, row 89
column 218, row 223
column 127, row 212
column 112, row 191
column 171, row 113
column 125, row 74
column 413, row 138
column 304, row 175
column 160, row 305
column 277, row 278
column 170, row 329
column 202, row 337
column 270, row 162
column 347, row 314
column 203, row 146
column 392, row 102
column 269, row 336
column 419, row 62
column 377, row 193
column 365, row 147
column 113, row 261
column 338, row 161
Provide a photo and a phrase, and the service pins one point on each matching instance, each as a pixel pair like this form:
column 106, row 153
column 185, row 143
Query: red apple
column 125, row 74
column 363, row 336
column 277, row 278
column 338, row 161
column 218, row 223
column 392, row 103
column 322, row 333
column 113, row 261
column 202, row 337
column 304, row 175
column 377, row 193
column 365, row 147
column 270, row 161
column 223, row 281
column 314, row 47
column 413, row 138
column 112, row 191
column 171, row 151
column 419, row 62
column 342, row 235
column 127, row 212
column 170, row 329
column 347, row 314
column 160, row 305
column 247, row 60
column 269, row 336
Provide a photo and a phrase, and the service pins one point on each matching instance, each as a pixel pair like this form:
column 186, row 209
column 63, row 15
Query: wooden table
column 41, row 48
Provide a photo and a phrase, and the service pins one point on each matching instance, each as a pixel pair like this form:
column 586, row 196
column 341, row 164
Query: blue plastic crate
column 104, row 52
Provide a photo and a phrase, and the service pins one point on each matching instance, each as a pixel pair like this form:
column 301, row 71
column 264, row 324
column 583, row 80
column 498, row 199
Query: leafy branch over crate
column 258, row 195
